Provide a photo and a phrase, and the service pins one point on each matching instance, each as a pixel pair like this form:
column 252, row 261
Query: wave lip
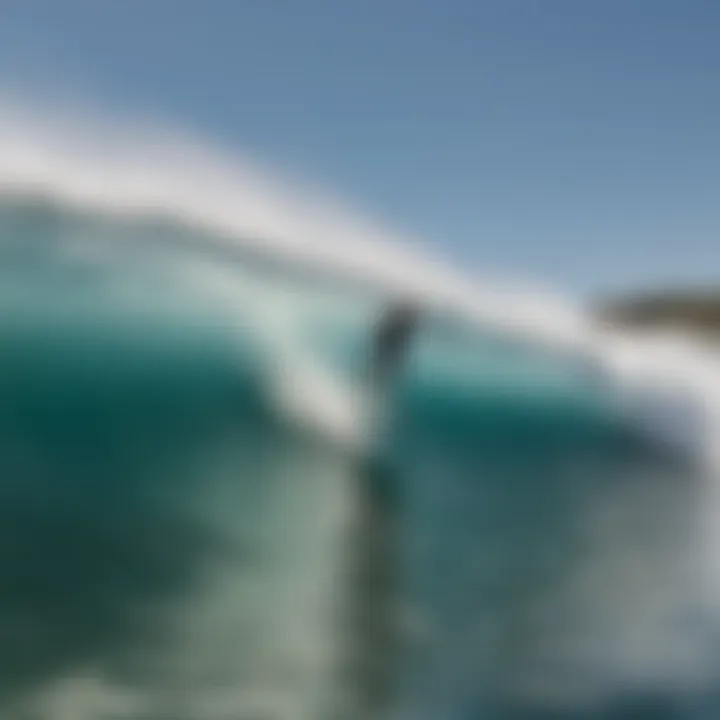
column 145, row 171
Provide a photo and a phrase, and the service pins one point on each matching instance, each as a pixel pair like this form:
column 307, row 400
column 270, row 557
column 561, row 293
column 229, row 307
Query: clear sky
column 576, row 142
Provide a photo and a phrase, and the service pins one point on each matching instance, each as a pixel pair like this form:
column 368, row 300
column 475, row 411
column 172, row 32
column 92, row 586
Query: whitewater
column 208, row 514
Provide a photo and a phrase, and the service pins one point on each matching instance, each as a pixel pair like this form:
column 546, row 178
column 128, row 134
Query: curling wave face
column 183, row 420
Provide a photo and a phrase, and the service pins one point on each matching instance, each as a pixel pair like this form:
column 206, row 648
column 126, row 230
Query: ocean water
column 208, row 513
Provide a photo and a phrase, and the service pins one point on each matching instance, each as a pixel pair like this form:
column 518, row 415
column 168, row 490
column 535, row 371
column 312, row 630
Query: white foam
column 125, row 167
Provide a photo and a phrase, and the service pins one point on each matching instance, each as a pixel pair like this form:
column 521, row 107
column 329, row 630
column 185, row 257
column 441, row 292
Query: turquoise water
column 178, row 544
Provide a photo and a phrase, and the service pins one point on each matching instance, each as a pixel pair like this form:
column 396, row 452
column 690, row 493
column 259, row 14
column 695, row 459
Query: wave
column 189, row 445
column 221, row 203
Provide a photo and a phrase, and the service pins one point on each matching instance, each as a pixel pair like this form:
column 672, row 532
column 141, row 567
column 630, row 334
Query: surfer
column 391, row 340
column 377, row 643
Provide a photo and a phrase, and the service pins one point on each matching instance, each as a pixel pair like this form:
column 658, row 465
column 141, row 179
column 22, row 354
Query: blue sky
column 576, row 142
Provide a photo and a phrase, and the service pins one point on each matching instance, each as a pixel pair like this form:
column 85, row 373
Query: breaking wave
column 192, row 454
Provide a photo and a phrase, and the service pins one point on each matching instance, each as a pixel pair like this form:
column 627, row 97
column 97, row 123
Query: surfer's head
column 401, row 312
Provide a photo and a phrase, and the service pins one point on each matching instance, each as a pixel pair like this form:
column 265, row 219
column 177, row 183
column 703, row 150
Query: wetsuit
column 391, row 341
column 377, row 650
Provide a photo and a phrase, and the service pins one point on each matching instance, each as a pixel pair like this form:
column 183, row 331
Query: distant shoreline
column 694, row 311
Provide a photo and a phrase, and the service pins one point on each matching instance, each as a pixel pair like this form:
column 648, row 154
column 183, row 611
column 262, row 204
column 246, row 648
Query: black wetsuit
column 378, row 643
column 391, row 340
